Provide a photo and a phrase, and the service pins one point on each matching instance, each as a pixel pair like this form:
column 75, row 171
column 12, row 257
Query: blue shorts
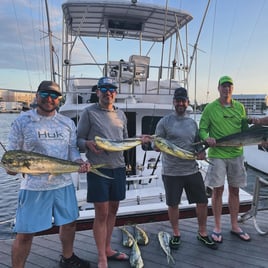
column 36, row 209
column 100, row 189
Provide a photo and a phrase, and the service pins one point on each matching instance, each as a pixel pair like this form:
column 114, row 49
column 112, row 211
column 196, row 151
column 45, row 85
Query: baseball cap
column 180, row 93
column 49, row 86
column 226, row 79
column 107, row 82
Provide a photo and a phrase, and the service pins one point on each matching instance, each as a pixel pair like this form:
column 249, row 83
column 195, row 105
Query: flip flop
column 117, row 256
column 218, row 235
column 240, row 235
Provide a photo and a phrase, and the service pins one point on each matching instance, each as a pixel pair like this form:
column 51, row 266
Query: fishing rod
column 3, row 146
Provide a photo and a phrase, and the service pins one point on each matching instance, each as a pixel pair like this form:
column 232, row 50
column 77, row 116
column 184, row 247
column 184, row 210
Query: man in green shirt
column 223, row 117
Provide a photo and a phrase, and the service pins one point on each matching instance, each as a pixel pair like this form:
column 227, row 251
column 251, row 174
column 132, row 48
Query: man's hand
column 211, row 142
column 9, row 172
column 201, row 156
column 92, row 146
column 84, row 166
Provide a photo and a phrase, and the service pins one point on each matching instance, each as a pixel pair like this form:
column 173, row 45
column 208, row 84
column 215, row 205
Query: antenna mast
column 51, row 48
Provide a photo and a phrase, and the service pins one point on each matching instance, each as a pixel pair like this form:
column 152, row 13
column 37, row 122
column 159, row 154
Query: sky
column 233, row 42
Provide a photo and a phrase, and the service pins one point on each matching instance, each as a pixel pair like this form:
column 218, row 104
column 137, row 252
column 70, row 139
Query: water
column 9, row 185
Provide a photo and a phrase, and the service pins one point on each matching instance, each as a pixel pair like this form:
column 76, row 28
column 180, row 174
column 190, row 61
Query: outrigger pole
column 51, row 48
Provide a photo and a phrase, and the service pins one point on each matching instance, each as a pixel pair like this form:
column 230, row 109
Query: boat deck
column 231, row 253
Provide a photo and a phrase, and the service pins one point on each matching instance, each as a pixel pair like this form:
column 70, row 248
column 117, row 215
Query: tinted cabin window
column 148, row 127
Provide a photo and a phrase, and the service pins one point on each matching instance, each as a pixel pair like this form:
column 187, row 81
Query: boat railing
column 135, row 77
column 259, row 204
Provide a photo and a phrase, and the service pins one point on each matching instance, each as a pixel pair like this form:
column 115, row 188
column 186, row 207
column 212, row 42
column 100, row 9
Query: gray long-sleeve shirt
column 183, row 132
column 96, row 121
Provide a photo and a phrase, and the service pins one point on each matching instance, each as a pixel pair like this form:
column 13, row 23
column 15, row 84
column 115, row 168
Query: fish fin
column 95, row 171
column 98, row 166
column 50, row 176
column 170, row 257
column 208, row 162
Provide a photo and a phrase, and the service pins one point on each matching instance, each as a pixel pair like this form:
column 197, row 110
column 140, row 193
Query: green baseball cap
column 226, row 79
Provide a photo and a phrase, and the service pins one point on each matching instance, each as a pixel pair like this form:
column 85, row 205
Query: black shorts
column 192, row 184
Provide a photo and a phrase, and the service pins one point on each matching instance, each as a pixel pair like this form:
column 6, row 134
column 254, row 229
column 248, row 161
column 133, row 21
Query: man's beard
column 46, row 110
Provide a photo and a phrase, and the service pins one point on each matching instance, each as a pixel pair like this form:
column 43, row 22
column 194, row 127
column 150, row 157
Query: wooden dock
column 232, row 252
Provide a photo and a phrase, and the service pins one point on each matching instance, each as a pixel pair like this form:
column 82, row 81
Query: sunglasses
column 45, row 95
column 104, row 90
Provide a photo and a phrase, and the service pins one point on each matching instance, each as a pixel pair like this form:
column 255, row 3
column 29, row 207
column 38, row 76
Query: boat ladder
column 259, row 205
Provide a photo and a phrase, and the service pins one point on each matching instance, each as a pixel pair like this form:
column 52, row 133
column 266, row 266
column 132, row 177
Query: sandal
column 216, row 237
column 241, row 235
column 118, row 256
column 206, row 241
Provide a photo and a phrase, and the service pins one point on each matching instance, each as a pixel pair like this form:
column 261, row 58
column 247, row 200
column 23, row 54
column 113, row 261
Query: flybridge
column 96, row 18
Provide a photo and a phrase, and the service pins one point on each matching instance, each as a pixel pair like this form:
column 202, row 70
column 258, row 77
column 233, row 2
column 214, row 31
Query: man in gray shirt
column 178, row 174
column 105, row 120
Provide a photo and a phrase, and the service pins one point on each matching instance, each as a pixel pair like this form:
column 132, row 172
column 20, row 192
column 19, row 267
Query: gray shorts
column 231, row 168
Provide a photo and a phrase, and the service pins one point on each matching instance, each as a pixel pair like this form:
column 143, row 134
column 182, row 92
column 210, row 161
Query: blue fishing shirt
column 53, row 136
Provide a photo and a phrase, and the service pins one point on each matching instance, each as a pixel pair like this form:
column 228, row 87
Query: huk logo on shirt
column 50, row 135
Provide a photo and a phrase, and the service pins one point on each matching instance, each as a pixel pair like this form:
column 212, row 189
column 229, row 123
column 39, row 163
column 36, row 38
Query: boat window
column 263, row 148
column 148, row 126
column 122, row 24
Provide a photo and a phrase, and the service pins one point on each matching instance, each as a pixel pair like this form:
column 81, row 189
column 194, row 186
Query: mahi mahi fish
column 135, row 258
column 117, row 145
column 164, row 239
column 252, row 136
column 19, row 161
column 166, row 146
column 127, row 238
column 140, row 236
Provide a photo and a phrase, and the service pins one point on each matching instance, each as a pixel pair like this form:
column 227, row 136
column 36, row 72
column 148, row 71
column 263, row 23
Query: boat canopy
column 123, row 18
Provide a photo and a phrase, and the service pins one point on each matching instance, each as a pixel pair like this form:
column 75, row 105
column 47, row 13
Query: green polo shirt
column 218, row 121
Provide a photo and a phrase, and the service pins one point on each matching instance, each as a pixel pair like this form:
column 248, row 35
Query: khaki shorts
column 231, row 168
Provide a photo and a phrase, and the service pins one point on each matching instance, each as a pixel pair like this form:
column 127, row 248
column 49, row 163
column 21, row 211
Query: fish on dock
column 117, row 145
column 141, row 236
column 19, row 161
column 164, row 239
column 251, row 136
column 135, row 258
column 127, row 237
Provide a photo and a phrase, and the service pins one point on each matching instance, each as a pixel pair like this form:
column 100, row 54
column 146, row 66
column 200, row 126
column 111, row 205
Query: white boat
column 256, row 156
column 141, row 46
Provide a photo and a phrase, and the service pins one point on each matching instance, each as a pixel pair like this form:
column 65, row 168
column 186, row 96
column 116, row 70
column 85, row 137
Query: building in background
column 15, row 100
column 254, row 103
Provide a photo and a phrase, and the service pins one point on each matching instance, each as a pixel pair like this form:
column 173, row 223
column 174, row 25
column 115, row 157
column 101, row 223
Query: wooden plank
column 139, row 218
column 232, row 252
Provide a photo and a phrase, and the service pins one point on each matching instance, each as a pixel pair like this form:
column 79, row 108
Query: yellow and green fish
column 19, row 161
column 166, row 146
column 141, row 236
column 164, row 238
column 116, row 145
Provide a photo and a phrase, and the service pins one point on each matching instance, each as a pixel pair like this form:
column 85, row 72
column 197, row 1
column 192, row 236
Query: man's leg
column 67, row 234
column 173, row 214
column 100, row 231
column 201, row 212
column 113, row 207
column 234, row 210
column 20, row 249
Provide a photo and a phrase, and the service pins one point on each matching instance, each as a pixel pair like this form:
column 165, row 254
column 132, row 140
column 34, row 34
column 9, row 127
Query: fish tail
column 170, row 258
column 95, row 171
column 208, row 162
column 3, row 146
